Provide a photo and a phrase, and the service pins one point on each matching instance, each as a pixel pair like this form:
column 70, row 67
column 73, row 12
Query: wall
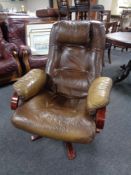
column 115, row 8
column 113, row 5
column 33, row 5
column 107, row 3
column 117, row 3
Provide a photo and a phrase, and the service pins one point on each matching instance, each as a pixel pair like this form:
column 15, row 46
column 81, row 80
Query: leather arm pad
column 24, row 49
column 8, row 47
column 98, row 94
column 30, row 84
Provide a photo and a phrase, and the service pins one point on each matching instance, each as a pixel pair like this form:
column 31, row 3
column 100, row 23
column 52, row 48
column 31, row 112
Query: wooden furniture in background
column 82, row 9
column 121, row 39
column 125, row 21
column 64, row 9
column 110, row 27
column 105, row 15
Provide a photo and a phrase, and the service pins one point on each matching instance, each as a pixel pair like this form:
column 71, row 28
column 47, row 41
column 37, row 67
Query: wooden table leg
column 125, row 70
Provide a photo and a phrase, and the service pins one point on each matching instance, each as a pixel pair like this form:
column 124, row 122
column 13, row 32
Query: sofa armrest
column 99, row 93
column 30, row 84
column 8, row 47
column 23, row 49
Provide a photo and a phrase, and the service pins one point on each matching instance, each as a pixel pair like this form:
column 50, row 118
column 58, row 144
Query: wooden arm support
column 100, row 119
column 14, row 101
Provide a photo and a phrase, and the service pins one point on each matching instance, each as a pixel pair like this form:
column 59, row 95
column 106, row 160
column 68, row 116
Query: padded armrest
column 30, row 84
column 24, row 49
column 98, row 94
column 8, row 47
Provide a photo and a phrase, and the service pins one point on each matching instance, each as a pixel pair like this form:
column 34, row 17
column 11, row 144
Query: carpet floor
column 108, row 154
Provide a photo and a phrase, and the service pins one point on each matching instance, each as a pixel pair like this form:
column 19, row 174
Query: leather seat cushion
column 57, row 117
column 37, row 61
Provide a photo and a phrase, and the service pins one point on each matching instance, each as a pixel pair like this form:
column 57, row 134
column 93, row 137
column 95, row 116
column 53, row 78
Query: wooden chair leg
column 109, row 55
column 71, row 154
column 35, row 137
column 14, row 101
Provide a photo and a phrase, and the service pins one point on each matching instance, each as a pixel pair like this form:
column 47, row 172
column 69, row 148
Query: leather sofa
column 13, row 41
column 10, row 67
column 15, row 33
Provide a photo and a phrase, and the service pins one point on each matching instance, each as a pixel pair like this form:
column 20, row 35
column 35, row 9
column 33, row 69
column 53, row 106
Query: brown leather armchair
column 67, row 101
column 10, row 68
column 110, row 27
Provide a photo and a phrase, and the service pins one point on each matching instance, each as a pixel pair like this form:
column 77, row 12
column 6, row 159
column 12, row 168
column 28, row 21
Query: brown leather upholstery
column 60, row 109
column 50, row 13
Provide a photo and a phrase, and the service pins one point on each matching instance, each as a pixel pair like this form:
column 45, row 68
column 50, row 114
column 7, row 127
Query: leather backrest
column 16, row 30
column 75, row 56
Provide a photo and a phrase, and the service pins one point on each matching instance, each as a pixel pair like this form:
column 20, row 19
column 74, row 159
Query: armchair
column 68, row 100
column 15, row 33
